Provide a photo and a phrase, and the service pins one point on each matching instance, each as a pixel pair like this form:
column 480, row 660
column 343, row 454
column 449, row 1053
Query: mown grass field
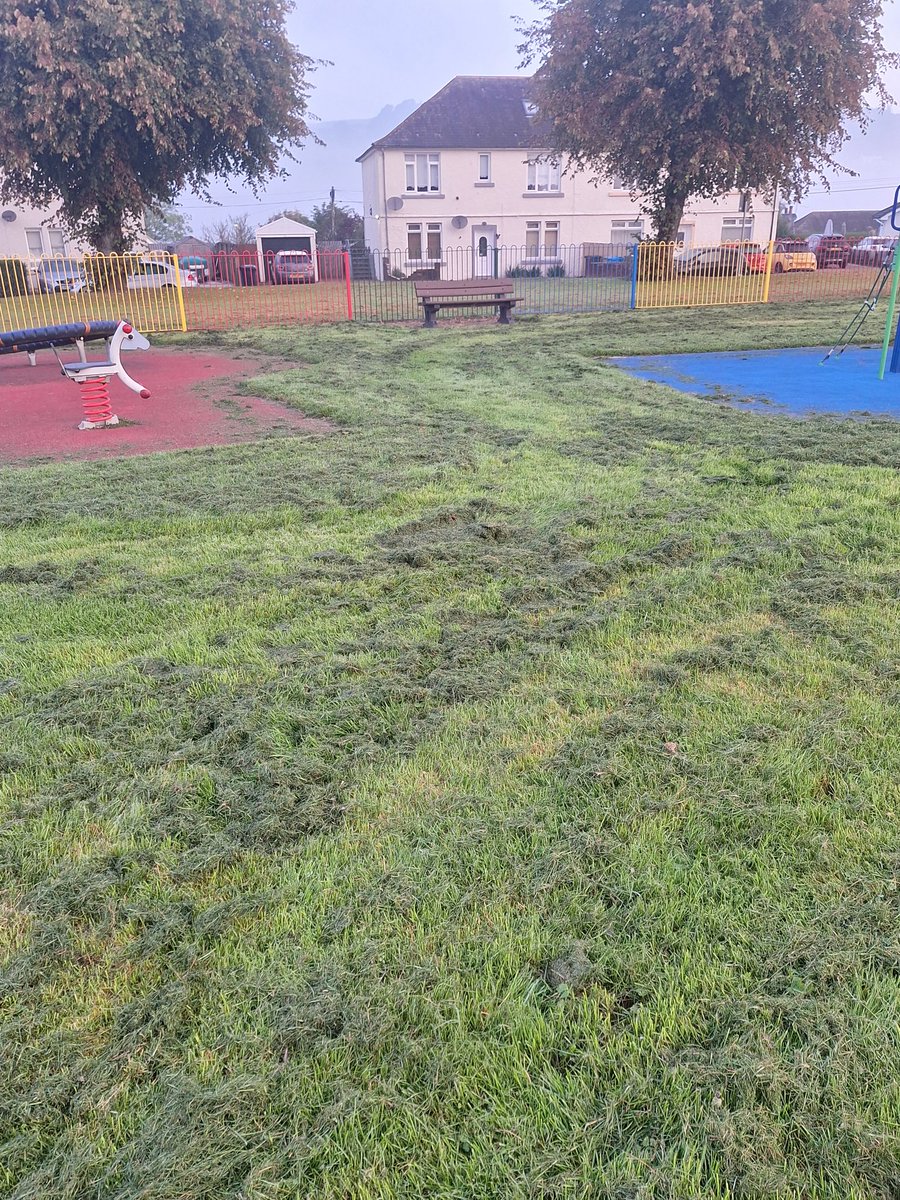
column 495, row 799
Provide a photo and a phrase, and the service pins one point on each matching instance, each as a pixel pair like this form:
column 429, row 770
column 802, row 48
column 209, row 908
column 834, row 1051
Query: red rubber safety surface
column 194, row 401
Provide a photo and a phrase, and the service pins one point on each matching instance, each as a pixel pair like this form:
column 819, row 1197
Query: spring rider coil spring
column 95, row 403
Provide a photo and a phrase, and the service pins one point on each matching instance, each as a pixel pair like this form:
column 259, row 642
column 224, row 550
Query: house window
column 57, row 242
column 482, row 247
column 484, row 168
column 423, row 172
column 543, row 175
column 621, row 184
column 537, row 246
column 627, row 231
column 415, row 245
column 35, row 239
column 737, row 229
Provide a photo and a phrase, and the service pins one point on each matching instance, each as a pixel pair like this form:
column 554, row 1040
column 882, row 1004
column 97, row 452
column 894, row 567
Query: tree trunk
column 667, row 216
column 109, row 237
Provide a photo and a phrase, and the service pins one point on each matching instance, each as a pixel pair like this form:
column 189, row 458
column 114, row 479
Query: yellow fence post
column 180, row 292
column 770, row 258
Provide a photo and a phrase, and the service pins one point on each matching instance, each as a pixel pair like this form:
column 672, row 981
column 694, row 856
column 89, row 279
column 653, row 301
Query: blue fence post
column 634, row 274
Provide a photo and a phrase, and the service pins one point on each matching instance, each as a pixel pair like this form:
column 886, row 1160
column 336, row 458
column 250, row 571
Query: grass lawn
column 495, row 799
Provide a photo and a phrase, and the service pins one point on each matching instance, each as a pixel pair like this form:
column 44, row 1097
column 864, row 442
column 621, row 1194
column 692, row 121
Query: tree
column 693, row 98
column 166, row 224
column 786, row 220
column 347, row 223
column 109, row 108
column 231, row 231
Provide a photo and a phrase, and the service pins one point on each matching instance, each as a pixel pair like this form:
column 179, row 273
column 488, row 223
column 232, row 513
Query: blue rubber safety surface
column 792, row 381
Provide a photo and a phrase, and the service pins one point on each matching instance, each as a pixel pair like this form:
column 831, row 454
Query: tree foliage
column 238, row 230
column 697, row 97
column 164, row 223
column 111, row 108
column 344, row 224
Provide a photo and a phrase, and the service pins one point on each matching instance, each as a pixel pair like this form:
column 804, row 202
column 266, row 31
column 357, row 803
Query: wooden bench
column 468, row 293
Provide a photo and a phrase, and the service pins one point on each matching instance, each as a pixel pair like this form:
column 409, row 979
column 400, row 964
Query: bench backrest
column 475, row 288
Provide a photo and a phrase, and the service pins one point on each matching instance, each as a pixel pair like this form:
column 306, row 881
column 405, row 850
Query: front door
column 485, row 246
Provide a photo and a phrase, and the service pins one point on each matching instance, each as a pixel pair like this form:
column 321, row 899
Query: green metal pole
column 889, row 323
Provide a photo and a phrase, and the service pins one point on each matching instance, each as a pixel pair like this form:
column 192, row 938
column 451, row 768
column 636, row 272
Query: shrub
column 13, row 277
column 523, row 273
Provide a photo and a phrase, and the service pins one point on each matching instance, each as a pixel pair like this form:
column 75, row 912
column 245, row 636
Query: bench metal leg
column 503, row 319
column 32, row 357
column 79, row 342
column 430, row 312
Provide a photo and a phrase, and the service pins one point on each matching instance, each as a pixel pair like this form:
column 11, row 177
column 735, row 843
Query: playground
column 844, row 379
column 197, row 398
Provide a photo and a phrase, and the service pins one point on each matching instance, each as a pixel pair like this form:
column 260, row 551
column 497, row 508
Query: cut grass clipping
column 496, row 798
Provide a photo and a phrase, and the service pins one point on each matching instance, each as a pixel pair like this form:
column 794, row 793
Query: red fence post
column 349, row 285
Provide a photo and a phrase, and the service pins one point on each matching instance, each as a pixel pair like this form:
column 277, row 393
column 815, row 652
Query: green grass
column 495, row 799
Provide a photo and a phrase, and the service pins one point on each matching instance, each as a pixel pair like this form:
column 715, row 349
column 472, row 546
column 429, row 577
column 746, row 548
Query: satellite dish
column 8, row 214
column 459, row 222
column 395, row 203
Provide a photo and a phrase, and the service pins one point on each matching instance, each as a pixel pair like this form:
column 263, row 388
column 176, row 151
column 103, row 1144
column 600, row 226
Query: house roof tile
column 471, row 111
column 853, row 220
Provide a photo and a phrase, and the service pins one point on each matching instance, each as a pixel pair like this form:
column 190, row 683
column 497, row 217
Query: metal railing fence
column 143, row 289
column 586, row 277
column 243, row 290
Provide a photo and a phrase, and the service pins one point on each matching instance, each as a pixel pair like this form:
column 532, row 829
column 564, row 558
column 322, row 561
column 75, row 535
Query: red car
column 830, row 251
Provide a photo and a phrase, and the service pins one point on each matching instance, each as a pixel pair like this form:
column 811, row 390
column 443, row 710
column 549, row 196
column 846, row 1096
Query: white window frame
column 422, row 173
column 424, row 230
column 484, row 168
column 543, row 175
column 742, row 227
column 632, row 226
column 40, row 237
column 540, row 250
column 60, row 234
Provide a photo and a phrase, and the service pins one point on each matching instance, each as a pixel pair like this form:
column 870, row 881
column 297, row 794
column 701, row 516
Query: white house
column 27, row 232
column 470, row 170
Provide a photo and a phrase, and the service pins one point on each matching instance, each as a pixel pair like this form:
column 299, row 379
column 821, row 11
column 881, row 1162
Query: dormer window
column 530, row 108
column 423, row 172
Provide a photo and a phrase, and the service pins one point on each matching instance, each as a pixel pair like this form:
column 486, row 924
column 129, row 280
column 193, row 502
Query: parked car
column 831, row 250
column 873, row 251
column 786, row 256
column 718, row 260
column 60, row 275
column 293, row 266
column 155, row 273
column 196, row 264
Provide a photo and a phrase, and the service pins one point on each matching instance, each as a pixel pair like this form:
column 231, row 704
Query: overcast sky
column 406, row 50
column 385, row 53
